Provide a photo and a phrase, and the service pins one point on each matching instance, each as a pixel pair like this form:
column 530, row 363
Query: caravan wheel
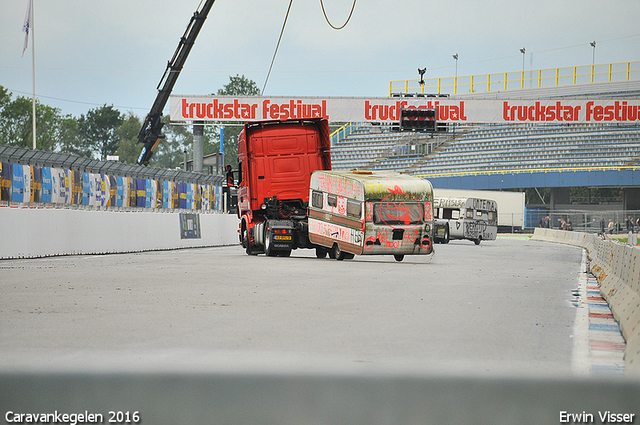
column 336, row 252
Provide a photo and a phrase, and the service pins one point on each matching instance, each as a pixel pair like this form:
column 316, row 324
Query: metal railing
column 588, row 221
column 503, row 81
column 529, row 170
column 343, row 132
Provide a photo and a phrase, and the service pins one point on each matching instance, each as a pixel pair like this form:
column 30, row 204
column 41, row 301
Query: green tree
column 128, row 147
column 99, row 130
column 16, row 125
column 71, row 140
column 237, row 86
column 170, row 151
column 5, row 100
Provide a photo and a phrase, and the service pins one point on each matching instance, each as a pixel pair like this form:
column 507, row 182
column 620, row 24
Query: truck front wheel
column 246, row 243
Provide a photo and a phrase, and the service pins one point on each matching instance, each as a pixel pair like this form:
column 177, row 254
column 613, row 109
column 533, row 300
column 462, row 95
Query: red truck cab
column 276, row 159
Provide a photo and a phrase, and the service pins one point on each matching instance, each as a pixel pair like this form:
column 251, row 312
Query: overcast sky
column 90, row 52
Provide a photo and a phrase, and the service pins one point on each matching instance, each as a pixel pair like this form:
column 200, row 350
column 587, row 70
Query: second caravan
column 474, row 219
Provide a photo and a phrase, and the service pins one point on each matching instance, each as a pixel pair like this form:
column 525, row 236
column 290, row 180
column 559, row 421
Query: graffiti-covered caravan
column 369, row 213
column 465, row 218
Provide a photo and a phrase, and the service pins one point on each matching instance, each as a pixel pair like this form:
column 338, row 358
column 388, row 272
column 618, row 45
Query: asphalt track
column 503, row 307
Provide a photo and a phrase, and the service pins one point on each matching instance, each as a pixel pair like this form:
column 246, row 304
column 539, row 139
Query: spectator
column 610, row 227
column 230, row 178
column 602, row 224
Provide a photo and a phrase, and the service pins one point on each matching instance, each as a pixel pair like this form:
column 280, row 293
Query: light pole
column 522, row 51
column 593, row 58
column 456, row 58
column 455, row 80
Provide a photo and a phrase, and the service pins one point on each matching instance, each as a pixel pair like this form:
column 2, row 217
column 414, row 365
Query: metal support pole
column 198, row 146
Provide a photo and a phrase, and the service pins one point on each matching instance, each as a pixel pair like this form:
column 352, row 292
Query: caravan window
column 354, row 208
column 397, row 213
column 450, row 214
column 332, row 200
column 316, row 199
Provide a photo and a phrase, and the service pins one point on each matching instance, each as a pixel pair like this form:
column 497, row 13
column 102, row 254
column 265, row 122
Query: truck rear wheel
column 321, row 252
column 268, row 250
column 398, row 257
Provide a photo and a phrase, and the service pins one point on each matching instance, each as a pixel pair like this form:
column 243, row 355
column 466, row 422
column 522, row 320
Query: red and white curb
column 598, row 343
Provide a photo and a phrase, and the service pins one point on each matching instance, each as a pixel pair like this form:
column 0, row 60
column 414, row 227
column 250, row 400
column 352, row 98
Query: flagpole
column 33, row 72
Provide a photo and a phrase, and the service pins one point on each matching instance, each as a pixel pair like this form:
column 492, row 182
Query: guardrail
column 617, row 268
column 503, row 81
column 60, row 204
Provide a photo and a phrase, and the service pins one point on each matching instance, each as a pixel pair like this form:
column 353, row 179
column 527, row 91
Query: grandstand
column 489, row 148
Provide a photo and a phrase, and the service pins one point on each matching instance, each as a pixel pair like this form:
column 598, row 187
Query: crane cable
column 277, row 46
column 343, row 25
column 282, row 32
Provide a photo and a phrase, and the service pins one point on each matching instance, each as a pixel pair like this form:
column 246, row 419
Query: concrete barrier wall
column 30, row 233
column 617, row 268
column 281, row 398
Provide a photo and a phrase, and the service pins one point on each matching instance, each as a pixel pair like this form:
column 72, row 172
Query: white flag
column 25, row 27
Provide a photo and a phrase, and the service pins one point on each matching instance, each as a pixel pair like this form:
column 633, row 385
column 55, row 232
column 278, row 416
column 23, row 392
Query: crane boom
column 151, row 131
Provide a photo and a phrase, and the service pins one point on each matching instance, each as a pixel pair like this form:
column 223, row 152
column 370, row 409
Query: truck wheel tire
column 268, row 250
column 321, row 253
column 398, row 257
column 245, row 242
column 446, row 235
column 477, row 241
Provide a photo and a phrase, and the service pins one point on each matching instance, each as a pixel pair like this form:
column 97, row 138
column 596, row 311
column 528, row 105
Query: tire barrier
column 617, row 268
